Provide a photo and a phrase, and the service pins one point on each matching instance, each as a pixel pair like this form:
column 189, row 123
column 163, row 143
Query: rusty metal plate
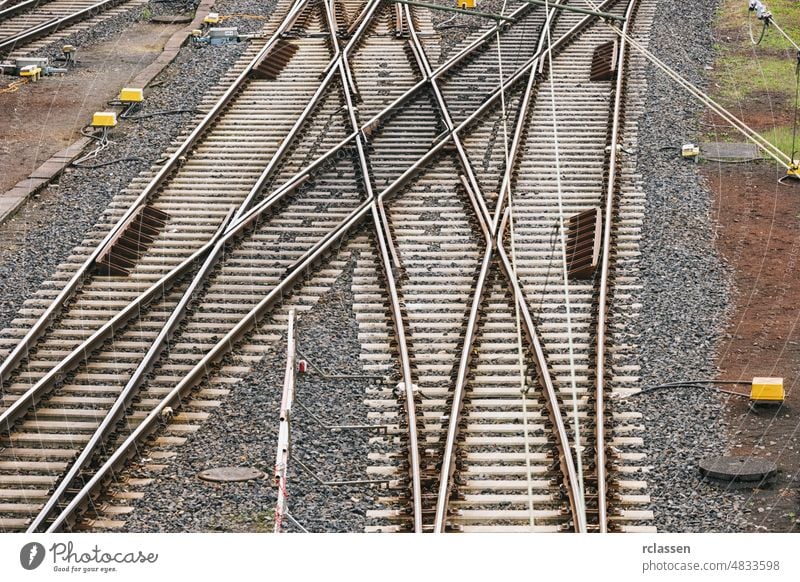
column 230, row 474
column 583, row 243
column 738, row 469
column 272, row 63
column 604, row 62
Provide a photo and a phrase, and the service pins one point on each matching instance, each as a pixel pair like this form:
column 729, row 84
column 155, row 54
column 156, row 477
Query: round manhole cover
column 737, row 468
column 230, row 474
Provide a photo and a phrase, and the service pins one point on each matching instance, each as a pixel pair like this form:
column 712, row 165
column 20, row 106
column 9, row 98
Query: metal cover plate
column 730, row 151
column 230, row 474
column 738, row 468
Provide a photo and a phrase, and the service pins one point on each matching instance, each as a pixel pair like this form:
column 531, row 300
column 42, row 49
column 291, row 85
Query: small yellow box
column 131, row 95
column 104, row 119
column 465, row 4
column 30, row 71
column 690, row 150
column 211, row 18
column 767, row 390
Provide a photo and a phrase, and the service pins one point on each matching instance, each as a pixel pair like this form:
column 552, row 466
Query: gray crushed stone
column 686, row 287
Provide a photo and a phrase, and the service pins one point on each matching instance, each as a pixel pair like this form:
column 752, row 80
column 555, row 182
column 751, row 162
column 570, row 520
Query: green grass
column 781, row 137
column 744, row 71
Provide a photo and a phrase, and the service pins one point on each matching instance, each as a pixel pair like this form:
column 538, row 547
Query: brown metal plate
column 604, row 62
column 230, row 474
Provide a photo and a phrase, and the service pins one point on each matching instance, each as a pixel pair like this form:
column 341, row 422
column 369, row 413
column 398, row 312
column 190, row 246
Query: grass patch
column 781, row 137
column 744, row 71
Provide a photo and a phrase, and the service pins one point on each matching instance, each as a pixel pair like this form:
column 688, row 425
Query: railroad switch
column 767, row 391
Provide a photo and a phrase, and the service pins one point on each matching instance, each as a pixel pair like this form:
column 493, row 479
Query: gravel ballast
column 686, row 287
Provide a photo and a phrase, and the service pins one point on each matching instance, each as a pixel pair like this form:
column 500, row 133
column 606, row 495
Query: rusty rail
column 385, row 244
column 174, row 161
column 611, row 194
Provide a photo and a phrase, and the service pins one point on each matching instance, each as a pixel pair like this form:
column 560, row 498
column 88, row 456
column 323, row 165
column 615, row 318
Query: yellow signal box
column 767, row 390
column 131, row 95
column 31, row 71
column 465, row 4
column 104, row 119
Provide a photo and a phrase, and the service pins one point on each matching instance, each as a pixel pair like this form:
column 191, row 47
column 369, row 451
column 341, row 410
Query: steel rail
column 10, row 43
column 532, row 65
column 6, row 13
column 330, row 74
column 21, row 350
column 490, row 234
column 80, row 353
column 477, row 200
column 385, row 242
column 610, row 198
column 200, row 370
column 53, row 310
column 301, row 174
column 203, row 367
column 422, row 57
column 542, row 369
column 545, row 380
column 255, row 212
column 123, row 400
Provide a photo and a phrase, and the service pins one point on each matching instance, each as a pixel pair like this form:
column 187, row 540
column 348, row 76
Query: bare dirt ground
column 759, row 237
column 40, row 119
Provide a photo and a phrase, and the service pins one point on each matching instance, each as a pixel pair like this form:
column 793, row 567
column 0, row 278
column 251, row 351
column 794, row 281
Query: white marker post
column 284, row 434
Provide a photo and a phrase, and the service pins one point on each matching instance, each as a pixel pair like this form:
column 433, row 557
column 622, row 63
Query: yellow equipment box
column 690, row 150
column 767, row 390
column 465, row 4
column 104, row 119
column 131, row 95
column 30, row 71
column 211, row 18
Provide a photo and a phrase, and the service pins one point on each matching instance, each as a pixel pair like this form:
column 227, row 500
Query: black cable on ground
column 157, row 113
column 95, row 166
column 692, row 384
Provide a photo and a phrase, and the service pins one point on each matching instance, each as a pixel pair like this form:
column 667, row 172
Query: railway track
column 510, row 462
column 30, row 25
column 339, row 134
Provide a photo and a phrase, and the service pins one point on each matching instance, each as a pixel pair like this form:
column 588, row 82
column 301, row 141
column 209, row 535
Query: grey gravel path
column 686, row 286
